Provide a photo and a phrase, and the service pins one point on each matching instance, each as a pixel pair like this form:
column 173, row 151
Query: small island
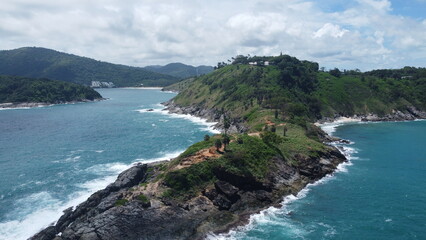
column 22, row 92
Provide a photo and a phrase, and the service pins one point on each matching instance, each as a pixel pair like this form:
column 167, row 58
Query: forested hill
column 20, row 89
column 181, row 70
column 45, row 63
column 291, row 89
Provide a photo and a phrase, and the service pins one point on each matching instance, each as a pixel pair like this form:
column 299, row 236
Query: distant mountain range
column 180, row 70
column 37, row 62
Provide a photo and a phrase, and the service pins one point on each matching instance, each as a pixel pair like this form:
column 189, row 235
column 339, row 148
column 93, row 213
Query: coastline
column 329, row 139
column 410, row 114
column 271, row 195
column 142, row 88
column 28, row 105
column 246, row 215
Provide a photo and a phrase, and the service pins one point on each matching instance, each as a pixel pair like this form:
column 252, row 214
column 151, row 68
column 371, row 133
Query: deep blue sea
column 379, row 194
column 54, row 157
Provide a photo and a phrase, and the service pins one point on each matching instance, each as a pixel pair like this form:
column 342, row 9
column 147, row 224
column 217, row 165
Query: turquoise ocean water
column 55, row 157
column 379, row 194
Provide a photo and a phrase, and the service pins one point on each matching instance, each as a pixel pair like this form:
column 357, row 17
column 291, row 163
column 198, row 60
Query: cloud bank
column 365, row 34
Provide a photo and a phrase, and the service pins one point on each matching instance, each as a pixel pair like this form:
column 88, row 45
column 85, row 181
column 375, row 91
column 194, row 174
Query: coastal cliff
column 133, row 207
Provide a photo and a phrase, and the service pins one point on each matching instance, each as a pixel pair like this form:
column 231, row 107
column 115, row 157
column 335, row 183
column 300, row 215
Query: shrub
column 206, row 137
column 218, row 144
column 121, row 202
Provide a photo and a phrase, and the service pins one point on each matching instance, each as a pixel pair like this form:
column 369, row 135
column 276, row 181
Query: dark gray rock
column 212, row 115
column 130, row 177
column 46, row 234
column 226, row 203
column 222, row 202
column 230, row 191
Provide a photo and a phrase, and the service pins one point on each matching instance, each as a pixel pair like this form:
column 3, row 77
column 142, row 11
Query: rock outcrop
column 226, row 203
column 411, row 113
column 211, row 115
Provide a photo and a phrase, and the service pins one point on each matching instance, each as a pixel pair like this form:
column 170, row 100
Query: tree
column 276, row 113
column 206, row 137
column 335, row 72
column 225, row 141
column 218, row 144
column 226, row 124
column 285, row 130
column 271, row 138
column 273, row 128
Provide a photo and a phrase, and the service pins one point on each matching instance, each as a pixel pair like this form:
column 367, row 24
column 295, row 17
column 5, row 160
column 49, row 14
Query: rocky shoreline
column 226, row 204
column 411, row 113
column 211, row 115
column 41, row 104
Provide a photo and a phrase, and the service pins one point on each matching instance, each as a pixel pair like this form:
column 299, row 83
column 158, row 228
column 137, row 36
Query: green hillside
column 180, row 70
column 294, row 89
column 20, row 89
column 45, row 63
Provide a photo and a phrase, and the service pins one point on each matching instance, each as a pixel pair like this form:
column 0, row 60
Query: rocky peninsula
column 140, row 205
column 270, row 149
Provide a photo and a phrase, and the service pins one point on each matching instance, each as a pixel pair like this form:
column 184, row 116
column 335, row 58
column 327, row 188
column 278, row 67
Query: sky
column 350, row 34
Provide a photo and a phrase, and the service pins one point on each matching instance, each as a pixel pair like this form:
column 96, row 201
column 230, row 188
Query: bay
column 54, row 157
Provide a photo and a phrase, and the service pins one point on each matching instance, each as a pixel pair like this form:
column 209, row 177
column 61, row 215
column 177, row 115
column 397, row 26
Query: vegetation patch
column 251, row 158
column 121, row 202
column 144, row 199
column 19, row 89
column 197, row 147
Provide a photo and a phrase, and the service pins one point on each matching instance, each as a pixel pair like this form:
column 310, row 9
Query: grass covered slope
column 296, row 89
column 277, row 103
column 216, row 183
column 45, row 63
column 19, row 89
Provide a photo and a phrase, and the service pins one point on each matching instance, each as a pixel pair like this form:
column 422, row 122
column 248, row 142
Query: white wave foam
column 164, row 156
column 40, row 210
column 72, row 159
column 24, row 108
column 208, row 126
column 168, row 92
column 330, row 127
column 14, row 108
column 264, row 217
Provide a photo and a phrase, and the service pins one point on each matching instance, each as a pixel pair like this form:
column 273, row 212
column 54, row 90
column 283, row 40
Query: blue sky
column 415, row 9
column 363, row 34
column 409, row 8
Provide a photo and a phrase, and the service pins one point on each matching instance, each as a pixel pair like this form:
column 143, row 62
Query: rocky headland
column 119, row 211
column 138, row 205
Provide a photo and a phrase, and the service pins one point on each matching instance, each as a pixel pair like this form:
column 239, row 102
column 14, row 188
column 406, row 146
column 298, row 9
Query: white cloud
column 330, row 29
column 378, row 5
column 364, row 35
